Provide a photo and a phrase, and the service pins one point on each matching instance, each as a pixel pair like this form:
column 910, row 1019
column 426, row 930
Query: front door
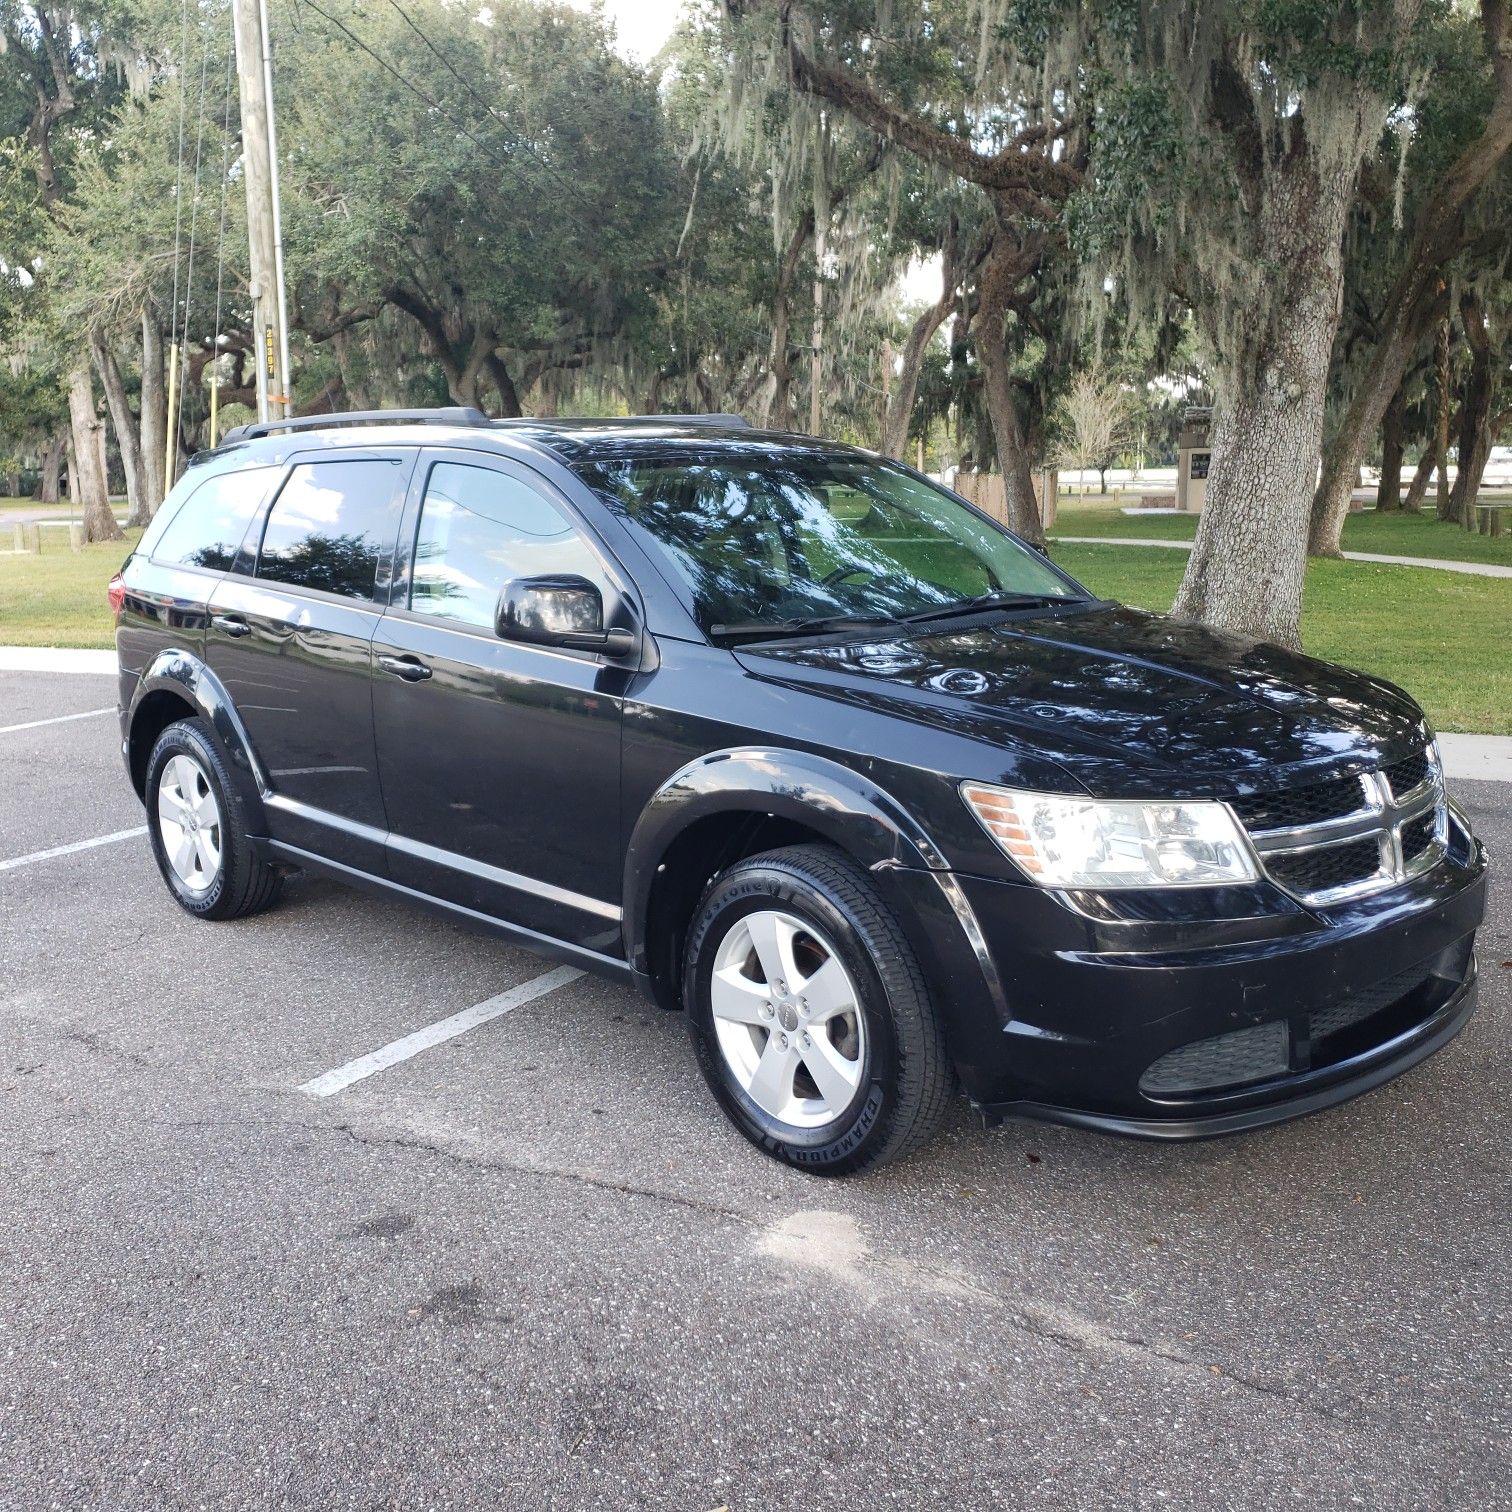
column 290, row 638
column 499, row 760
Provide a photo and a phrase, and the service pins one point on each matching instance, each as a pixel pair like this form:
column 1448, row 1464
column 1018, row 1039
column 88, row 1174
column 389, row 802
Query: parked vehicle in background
column 806, row 747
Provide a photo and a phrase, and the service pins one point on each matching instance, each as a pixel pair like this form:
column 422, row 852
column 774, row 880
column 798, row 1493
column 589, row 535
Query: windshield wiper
column 816, row 625
column 997, row 598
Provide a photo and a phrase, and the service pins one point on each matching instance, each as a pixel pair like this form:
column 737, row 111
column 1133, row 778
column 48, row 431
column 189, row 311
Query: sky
column 641, row 26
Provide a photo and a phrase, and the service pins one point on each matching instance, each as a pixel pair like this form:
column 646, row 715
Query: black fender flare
column 181, row 672
column 844, row 806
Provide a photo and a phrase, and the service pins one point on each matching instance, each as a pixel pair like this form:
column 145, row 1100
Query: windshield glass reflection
column 784, row 540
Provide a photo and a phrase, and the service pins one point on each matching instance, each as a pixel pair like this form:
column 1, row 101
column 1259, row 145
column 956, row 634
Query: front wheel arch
column 721, row 808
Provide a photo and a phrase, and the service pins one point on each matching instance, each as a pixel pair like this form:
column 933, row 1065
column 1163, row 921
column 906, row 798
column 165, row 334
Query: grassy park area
column 1441, row 636
column 57, row 597
column 1421, row 535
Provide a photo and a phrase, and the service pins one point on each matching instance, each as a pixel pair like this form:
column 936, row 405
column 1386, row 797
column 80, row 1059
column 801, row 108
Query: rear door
column 499, row 760
column 290, row 637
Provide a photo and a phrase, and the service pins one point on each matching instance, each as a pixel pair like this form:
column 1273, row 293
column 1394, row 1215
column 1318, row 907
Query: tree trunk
column 1008, row 433
column 1417, row 490
column 89, row 479
column 51, row 483
column 509, row 397
column 777, row 403
column 1409, row 307
column 127, row 430
column 900, row 403
column 1006, row 264
column 1476, row 408
column 154, row 423
column 1441, row 421
column 1393, row 434
column 1246, row 567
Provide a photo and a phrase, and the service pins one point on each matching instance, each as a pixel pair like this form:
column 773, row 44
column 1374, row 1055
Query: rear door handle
column 231, row 624
column 410, row 668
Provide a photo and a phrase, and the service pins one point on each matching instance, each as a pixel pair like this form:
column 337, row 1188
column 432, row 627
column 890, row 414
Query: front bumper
column 1286, row 1098
column 1183, row 1017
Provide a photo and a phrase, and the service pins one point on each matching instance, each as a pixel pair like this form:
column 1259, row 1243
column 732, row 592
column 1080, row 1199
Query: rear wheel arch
column 152, row 714
column 178, row 685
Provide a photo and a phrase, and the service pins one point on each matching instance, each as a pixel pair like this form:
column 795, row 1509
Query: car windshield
column 785, row 543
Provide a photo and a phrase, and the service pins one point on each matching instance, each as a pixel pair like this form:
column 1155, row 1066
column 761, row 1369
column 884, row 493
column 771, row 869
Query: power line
column 436, row 105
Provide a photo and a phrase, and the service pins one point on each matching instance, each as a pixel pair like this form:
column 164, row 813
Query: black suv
column 804, row 745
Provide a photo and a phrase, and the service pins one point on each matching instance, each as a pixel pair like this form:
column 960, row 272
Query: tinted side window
column 478, row 529
column 211, row 522
column 330, row 524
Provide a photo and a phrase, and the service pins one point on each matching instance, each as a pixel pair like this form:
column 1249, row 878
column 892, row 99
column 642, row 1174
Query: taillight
column 115, row 590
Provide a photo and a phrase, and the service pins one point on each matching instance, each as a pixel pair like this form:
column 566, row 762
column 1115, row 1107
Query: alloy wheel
column 788, row 1019
column 189, row 823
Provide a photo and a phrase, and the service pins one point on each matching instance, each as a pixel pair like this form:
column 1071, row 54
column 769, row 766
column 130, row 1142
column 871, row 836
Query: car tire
column 198, row 828
column 767, row 1040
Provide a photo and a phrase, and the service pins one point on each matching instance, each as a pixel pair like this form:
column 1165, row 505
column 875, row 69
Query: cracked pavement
column 533, row 1266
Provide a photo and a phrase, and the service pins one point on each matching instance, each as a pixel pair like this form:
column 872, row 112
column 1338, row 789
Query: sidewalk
column 1483, row 758
column 1476, row 569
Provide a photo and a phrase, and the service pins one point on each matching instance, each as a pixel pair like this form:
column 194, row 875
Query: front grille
column 1365, row 1004
column 1407, row 776
column 1227, row 1060
column 1419, row 835
column 1326, row 868
column 1303, row 805
column 1329, row 841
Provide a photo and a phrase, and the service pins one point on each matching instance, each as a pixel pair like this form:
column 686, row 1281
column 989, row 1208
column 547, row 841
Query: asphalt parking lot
column 532, row 1266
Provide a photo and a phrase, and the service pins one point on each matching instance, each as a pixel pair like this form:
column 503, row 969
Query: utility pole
column 254, row 73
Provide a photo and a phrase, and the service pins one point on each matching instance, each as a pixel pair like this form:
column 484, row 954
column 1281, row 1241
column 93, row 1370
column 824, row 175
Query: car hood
column 1119, row 699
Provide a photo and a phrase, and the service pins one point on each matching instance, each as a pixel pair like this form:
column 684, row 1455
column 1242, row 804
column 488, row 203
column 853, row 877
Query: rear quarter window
column 330, row 524
column 208, row 526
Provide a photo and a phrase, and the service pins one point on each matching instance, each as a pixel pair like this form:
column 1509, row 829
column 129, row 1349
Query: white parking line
column 36, row 724
column 68, row 850
column 437, row 1033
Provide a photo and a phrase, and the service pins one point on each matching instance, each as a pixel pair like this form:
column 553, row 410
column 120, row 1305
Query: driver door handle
column 231, row 624
column 410, row 668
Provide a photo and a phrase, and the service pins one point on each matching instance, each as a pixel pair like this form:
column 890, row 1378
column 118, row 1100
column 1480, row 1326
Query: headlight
column 1088, row 842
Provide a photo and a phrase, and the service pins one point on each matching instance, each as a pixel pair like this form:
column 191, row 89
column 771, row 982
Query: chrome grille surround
column 1381, row 817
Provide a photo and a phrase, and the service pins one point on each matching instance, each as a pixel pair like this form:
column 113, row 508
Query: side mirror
column 562, row 610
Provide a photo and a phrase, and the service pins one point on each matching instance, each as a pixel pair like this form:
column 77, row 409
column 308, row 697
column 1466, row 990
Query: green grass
column 1391, row 534
column 1443, row 638
column 57, row 597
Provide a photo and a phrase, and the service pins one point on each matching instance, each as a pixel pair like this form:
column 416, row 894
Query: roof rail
column 451, row 415
column 738, row 422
